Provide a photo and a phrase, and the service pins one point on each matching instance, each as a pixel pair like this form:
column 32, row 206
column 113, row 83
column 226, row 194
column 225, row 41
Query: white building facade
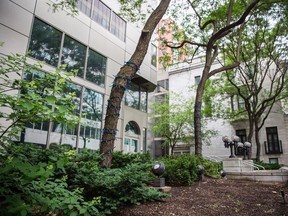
column 96, row 42
column 273, row 135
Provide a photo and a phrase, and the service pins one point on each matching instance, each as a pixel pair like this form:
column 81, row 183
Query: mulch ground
column 216, row 197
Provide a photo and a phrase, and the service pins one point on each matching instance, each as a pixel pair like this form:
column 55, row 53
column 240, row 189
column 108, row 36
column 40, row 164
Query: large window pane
column 118, row 26
column 92, row 105
column 96, row 68
column 85, row 6
column 132, row 96
column 45, row 43
column 91, row 121
column 73, row 55
column 154, row 55
column 101, row 14
column 143, row 100
column 75, row 89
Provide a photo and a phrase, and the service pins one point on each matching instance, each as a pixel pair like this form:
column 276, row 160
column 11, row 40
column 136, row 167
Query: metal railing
column 255, row 166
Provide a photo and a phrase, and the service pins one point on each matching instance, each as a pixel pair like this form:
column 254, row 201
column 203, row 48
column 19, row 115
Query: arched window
column 132, row 137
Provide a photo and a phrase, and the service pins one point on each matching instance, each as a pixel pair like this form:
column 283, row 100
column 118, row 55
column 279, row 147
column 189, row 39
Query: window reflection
column 136, row 97
column 101, row 14
column 118, row 26
column 96, row 68
column 85, row 6
column 92, row 105
column 73, row 55
column 143, row 99
column 45, row 43
column 132, row 96
column 92, row 115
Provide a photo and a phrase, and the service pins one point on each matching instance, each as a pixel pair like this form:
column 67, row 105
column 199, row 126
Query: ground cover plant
column 37, row 181
column 184, row 169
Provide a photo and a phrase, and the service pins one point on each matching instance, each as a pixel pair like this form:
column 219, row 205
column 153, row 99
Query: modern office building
column 96, row 42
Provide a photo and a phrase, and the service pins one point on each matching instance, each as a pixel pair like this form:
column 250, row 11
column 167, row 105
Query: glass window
column 118, row 26
column 143, row 99
column 197, row 79
column 45, row 43
column 76, row 89
column 132, row 128
column 273, row 141
column 132, row 133
column 241, row 103
column 273, row 161
column 144, row 146
column 92, row 114
column 154, row 55
column 96, row 68
column 85, row 6
column 92, row 105
column 73, row 55
column 101, row 14
column 132, row 96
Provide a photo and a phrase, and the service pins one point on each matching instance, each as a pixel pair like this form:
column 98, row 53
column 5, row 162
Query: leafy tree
column 216, row 20
column 174, row 122
column 261, row 79
column 37, row 97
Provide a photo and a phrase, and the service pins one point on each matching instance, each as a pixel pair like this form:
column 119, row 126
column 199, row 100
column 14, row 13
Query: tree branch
column 200, row 19
column 224, row 68
column 221, row 33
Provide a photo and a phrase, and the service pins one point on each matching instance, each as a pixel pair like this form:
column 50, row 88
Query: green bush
column 183, row 169
column 268, row 166
column 29, row 189
column 41, row 181
column 121, row 159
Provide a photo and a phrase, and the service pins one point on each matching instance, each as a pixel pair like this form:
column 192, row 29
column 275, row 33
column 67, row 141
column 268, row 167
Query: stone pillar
column 237, row 165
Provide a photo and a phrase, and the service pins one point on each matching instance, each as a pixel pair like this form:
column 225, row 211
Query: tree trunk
column 250, row 135
column 123, row 78
column 198, row 102
column 258, row 144
column 198, row 115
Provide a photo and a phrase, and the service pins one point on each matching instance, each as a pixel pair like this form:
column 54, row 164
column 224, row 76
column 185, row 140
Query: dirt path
column 217, row 197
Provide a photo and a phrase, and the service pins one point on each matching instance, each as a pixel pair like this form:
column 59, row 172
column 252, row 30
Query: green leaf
column 62, row 109
column 74, row 213
column 51, row 99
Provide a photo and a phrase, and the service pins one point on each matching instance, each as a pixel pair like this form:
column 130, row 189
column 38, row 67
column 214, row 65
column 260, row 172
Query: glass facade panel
column 132, row 96
column 101, row 14
column 136, row 97
column 143, row 100
column 85, row 6
column 118, row 26
column 91, row 122
column 45, row 43
column 154, row 55
column 96, row 68
column 144, row 145
column 92, row 105
column 73, row 55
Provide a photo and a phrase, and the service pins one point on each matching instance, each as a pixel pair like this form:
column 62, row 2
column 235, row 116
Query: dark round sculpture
column 200, row 169
column 158, row 169
column 223, row 173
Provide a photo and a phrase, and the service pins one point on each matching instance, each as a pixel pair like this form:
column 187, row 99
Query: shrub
column 59, row 181
column 268, row 166
column 183, row 169
column 121, row 159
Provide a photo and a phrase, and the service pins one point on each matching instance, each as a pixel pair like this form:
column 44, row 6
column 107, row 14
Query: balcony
column 273, row 148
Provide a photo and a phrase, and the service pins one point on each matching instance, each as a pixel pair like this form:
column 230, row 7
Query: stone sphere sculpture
column 158, row 169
